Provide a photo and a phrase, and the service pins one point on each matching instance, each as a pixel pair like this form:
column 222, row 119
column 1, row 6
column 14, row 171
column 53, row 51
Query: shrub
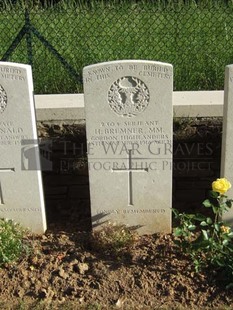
column 12, row 246
column 208, row 240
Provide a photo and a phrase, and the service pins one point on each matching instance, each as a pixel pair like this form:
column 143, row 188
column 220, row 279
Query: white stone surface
column 60, row 107
column 21, row 191
column 185, row 104
column 198, row 103
column 227, row 137
column 129, row 114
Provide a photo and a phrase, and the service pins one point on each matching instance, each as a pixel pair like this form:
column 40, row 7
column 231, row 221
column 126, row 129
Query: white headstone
column 21, row 191
column 227, row 137
column 129, row 114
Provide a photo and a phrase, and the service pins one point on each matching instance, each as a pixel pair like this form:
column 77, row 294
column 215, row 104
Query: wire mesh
column 59, row 38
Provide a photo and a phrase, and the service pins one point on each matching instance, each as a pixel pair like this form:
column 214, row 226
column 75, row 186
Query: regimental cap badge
column 128, row 96
column 3, row 99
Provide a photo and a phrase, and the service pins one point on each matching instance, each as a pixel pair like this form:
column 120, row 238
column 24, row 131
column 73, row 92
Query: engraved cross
column 130, row 171
column 1, row 192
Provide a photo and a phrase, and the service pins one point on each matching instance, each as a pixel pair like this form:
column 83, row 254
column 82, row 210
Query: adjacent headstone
column 227, row 137
column 128, row 107
column 21, row 191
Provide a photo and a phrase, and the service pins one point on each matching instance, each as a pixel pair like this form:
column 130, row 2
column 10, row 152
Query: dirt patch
column 67, row 271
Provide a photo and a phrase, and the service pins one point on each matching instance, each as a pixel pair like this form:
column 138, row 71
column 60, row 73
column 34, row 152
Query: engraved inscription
column 146, row 71
column 128, row 96
column 130, row 171
column 20, row 210
column 13, row 74
column 10, row 134
column 131, row 211
column 3, row 99
column 130, row 132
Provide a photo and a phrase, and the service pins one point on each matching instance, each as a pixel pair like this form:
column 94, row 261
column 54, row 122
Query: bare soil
column 65, row 270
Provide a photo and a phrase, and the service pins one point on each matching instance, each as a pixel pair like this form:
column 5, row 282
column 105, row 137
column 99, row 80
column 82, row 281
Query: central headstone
column 129, row 115
column 21, row 191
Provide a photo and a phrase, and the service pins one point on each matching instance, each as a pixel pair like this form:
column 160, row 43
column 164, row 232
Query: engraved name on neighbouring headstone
column 21, row 191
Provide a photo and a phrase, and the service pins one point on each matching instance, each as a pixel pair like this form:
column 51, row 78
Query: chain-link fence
column 58, row 39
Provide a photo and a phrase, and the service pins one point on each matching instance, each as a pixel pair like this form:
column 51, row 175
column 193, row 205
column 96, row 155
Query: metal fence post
column 28, row 37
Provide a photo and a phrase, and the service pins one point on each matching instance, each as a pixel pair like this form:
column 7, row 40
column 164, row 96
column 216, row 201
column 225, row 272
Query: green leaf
column 216, row 227
column 178, row 232
column 229, row 203
column 209, row 220
column 230, row 234
column 190, row 216
column 200, row 217
column 203, row 223
column 213, row 194
column 219, row 262
column 207, row 203
column 191, row 227
column 225, row 242
column 205, row 234
column 176, row 212
column 200, row 244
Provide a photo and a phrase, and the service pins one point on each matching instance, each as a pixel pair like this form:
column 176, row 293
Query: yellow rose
column 221, row 185
column 225, row 229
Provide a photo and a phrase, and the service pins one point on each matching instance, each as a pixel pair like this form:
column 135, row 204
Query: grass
column 113, row 239
column 195, row 38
